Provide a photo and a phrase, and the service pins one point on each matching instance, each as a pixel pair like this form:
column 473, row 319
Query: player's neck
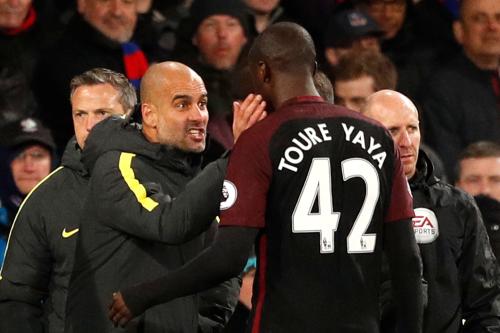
column 292, row 88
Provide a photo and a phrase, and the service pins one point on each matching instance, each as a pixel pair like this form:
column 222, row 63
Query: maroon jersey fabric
column 319, row 181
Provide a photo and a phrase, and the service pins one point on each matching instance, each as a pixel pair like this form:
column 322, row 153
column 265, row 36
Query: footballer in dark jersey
column 321, row 192
column 319, row 181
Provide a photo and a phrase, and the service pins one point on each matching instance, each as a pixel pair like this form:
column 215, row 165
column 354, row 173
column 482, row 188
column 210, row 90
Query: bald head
column 386, row 100
column 174, row 107
column 284, row 46
column 282, row 63
column 400, row 116
column 160, row 76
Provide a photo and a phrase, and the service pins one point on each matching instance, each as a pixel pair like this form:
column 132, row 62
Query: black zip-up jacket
column 146, row 208
column 459, row 265
column 39, row 257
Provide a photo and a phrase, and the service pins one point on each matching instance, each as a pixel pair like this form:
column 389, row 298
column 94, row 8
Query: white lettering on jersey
column 360, row 139
column 304, row 141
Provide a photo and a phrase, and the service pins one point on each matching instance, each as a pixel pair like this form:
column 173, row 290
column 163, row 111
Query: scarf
column 135, row 62
column 28, row 23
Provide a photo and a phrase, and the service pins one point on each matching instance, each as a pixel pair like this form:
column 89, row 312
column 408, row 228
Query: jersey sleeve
column 244, row 193
column 401, row 202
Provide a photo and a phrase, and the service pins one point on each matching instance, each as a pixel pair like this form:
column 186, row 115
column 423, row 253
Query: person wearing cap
column 216, row 33
column 29, row 149
column 39, row 256
column 350, row 30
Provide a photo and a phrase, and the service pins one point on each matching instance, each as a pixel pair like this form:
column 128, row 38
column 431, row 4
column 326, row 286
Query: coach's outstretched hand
column 119, row 313
column 247, row 113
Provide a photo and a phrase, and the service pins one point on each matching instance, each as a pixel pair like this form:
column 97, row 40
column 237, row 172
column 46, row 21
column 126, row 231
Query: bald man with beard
column 150, row 208
column 459, row 265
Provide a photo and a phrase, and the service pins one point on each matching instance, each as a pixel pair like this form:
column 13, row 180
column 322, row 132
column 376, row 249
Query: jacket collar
column 424, row 174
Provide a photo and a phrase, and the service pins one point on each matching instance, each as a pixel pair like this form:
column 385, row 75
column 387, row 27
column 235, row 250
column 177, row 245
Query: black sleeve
column 156, row 217
column 406, row 274
column 479, row 275
column 216, row 305
column 223, row 260
column 24, row 278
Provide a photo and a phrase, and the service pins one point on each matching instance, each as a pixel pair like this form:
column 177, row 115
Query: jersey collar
column 303, row 99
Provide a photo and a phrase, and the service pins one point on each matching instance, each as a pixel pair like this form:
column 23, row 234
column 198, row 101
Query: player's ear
column 458, row 31
column 263, row 72
column 149, row 115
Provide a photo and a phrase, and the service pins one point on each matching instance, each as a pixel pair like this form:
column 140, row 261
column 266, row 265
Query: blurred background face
column 262, row 6
column 389, row 15
column 479, row 28
column 480, row 176
column 92, row 104
column 13, row 13
column 30, row 167
column 219, row 39
column 116, row 19
column 333, row 54
column 353, row 93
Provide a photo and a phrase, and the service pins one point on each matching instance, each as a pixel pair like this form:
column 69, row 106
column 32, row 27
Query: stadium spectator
column 479, row 175
column 101, row 34
column 349, row 30
column 461, row 102
column 216, row 31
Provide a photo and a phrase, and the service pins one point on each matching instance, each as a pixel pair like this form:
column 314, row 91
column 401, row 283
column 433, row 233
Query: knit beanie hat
column 201, row 9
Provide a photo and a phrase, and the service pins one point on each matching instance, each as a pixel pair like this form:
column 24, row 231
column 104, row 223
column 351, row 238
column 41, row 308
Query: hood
column 424, row 175
column 72, row 157
column 118, row 134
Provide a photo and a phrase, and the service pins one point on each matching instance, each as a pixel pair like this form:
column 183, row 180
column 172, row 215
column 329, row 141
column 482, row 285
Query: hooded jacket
column 39, row 256
column 146, row 208
column 459, row 265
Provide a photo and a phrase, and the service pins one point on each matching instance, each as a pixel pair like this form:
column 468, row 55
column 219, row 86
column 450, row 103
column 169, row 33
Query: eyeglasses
column 35, row 156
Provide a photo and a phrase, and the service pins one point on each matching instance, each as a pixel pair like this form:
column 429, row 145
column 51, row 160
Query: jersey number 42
column 318, row 185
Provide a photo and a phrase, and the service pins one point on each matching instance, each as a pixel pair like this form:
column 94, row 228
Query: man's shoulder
column 449, row 195
column 53, row 188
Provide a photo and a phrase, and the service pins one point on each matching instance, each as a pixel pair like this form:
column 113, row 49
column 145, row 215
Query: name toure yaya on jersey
column 310, row 136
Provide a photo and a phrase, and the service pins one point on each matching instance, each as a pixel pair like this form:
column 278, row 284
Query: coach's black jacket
column 459, row 265
column 142, row 218
column 40, row 252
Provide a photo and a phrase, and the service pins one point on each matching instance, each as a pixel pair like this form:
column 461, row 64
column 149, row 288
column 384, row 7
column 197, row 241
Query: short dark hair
column 285, row 45
column 480, row 149
column 367, row 63
column 128, row 96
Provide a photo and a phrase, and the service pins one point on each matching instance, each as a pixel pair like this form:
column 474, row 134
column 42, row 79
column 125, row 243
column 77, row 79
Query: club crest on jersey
column 229, row 195
column 425, row 226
